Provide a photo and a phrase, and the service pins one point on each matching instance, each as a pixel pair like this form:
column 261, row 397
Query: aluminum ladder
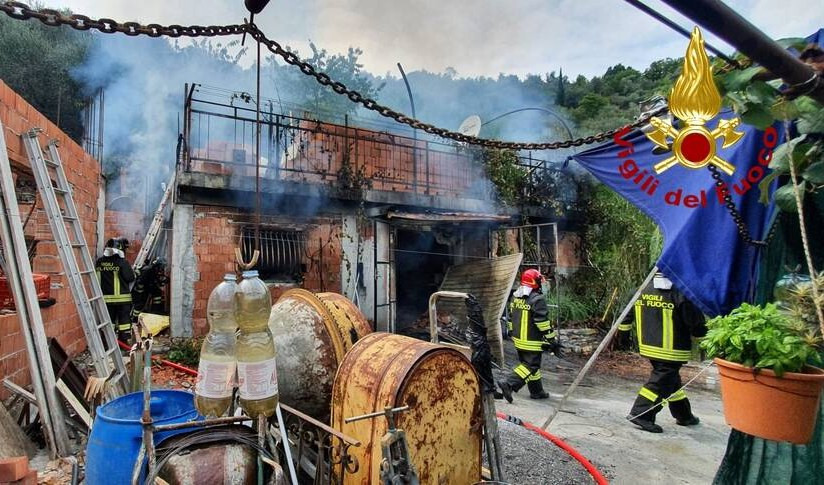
column 77, row 262
column 154, row 229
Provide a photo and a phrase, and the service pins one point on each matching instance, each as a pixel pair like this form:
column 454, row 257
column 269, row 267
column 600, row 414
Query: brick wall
column 217, row 232
column 83, row 172
column 130, row 225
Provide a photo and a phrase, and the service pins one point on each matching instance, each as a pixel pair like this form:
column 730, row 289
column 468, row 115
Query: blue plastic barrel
column 117, row 434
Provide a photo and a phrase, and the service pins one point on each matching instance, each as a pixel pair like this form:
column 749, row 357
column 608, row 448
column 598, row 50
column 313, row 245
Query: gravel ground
column 530, row 459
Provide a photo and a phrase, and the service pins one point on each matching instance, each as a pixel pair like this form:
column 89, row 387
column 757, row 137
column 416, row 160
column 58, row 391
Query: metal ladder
column 77, row 263
column 154, row 229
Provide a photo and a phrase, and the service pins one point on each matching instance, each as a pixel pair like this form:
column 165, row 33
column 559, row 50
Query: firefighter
column 532, row 333
column 147, row 293
column 115, row 274
column 665, row 320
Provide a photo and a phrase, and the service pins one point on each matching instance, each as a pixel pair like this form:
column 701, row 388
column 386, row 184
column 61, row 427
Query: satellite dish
column 471, row 126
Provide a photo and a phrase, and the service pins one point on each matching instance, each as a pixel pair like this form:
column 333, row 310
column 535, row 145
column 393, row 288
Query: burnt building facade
column 349, row 206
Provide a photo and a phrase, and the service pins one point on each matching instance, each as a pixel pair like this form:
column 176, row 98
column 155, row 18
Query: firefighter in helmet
column 664, row 321
column 148, row 289
column 532, row 333
column 115, row 275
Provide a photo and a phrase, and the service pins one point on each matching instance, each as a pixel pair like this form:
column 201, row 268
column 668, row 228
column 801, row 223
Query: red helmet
column 531, row 278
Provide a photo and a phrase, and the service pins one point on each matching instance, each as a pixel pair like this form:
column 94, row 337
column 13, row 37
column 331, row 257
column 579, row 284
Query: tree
column 345, row 68
column 36, row 62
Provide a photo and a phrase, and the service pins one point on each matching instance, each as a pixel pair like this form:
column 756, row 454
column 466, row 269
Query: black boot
column 647, row 425
column 506, row 391
column 536, row 390
column 691, row 421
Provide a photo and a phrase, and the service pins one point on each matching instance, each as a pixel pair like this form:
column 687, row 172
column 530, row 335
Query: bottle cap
column 230, row 277
column 252, row 273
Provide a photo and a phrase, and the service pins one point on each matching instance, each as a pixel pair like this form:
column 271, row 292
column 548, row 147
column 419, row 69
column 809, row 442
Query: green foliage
column 621, row 243
column 763, row 338
column 509, row 178
column 760, row 103
column 570, row 307
column 344, row 68
column 36, row 62
column 185, row 351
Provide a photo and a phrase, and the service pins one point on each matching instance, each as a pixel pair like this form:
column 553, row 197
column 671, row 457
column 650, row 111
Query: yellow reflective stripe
column 124, row 326
column 667, row 337
column 543, row 326
column 527, row 344
column 116, row 282
column 98, row 274
column 127, row 298
column 524, row 321
column 552, row 334
column 640, row 334
column 521, row 371
column 665, row 354
column 647, row 394
column 534, row 377
column 625, row 327
column 677, row 396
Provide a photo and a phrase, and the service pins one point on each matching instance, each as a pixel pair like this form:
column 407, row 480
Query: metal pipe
column 257, row 155
column 735, row 30
column 533, row 108
column 681, row 30
column 201, row 424
column 414, row 132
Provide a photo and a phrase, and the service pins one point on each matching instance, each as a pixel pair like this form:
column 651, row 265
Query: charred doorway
column 421, row 262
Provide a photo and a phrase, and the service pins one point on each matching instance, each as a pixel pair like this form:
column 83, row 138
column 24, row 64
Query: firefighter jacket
column 114, row 274
column 664, row 321
column 529, row 324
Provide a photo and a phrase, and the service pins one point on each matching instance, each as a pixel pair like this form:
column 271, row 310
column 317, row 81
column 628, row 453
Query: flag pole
column 601, row 347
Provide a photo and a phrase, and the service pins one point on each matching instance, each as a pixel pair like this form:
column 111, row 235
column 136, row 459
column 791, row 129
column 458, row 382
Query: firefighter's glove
column 624, row 341
column 553, row 346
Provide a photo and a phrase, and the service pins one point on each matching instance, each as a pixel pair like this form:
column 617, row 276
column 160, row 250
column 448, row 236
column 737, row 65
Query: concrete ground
column 593, row 421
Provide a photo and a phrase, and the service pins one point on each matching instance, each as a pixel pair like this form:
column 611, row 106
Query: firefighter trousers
column 663, row 383
column 120, row 314
column 528, row 372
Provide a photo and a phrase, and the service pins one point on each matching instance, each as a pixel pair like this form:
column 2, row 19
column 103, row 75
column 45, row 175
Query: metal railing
column 319, row 451
column 220, row 139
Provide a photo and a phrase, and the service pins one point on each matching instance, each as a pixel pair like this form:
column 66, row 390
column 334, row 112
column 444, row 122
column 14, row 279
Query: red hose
column 596, row 475
column 181, row 368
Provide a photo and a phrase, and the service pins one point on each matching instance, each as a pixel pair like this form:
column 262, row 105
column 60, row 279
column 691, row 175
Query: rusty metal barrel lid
column 312, row 333
column 444, row 423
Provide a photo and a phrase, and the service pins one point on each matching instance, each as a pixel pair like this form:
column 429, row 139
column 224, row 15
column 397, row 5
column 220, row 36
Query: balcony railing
column 220, row 139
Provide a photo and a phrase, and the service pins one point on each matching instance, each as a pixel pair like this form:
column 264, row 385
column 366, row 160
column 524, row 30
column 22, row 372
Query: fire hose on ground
column 169, row 363
column 594, row 472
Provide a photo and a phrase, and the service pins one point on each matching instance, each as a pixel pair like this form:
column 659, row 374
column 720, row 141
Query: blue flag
column 703, row 253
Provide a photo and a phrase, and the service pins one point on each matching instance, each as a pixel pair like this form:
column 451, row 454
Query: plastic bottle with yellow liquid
column 218, row 360
column 256, row 370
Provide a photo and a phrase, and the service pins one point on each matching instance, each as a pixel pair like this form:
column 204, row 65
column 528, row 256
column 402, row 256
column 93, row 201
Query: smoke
column 143, row 80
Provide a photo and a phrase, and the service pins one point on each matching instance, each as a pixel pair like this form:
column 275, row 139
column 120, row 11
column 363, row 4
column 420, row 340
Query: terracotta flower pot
column 774, row 408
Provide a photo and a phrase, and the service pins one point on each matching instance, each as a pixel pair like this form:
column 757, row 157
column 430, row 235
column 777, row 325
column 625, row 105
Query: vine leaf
column 785, row 197
column 814, row 173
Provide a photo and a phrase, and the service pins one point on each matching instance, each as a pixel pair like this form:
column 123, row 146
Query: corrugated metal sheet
column 490, row 281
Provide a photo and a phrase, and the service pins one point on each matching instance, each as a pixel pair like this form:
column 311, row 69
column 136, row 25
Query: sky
column 474, row 37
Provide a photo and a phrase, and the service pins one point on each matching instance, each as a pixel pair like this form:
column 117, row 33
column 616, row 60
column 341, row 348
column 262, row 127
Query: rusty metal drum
column 443, row 424
column 312, row 333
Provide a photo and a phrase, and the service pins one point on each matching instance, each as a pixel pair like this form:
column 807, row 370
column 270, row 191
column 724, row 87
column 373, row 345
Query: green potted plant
column 769, row 385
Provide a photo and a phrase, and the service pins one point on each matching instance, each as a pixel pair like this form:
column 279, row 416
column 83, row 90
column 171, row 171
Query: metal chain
column 53, row 18
column 736, row 216
column 370, row 104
